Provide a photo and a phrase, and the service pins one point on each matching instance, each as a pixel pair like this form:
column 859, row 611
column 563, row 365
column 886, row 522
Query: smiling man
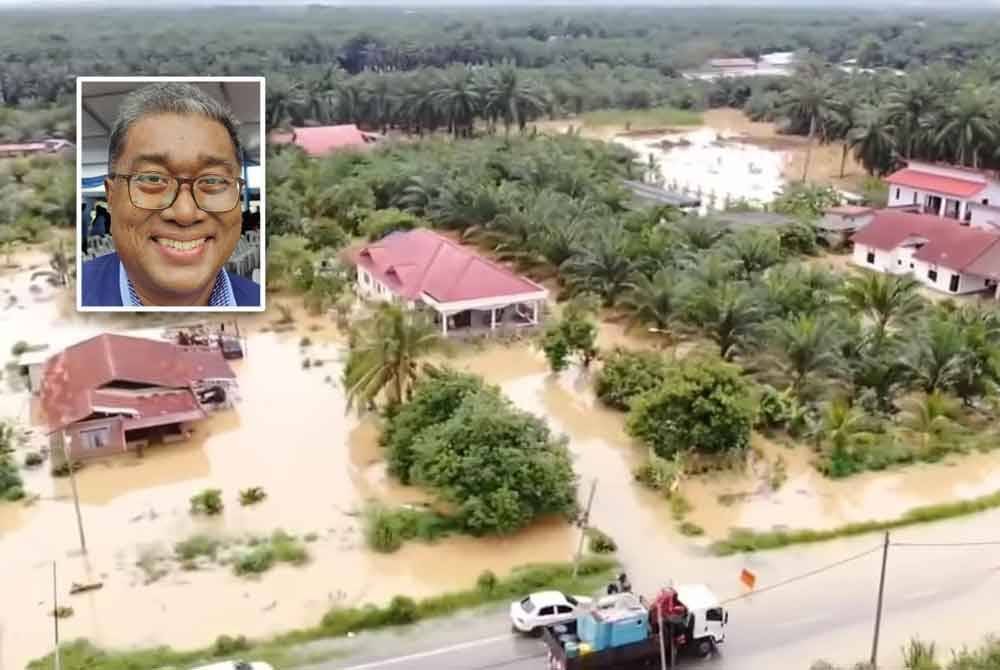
column 174, row 190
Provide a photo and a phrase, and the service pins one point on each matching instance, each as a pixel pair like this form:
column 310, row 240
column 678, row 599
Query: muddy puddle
column 318, row 464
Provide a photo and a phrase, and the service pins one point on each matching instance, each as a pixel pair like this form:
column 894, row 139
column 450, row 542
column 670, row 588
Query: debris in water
column 62, row 612
column 268, row 608
column 80, row 588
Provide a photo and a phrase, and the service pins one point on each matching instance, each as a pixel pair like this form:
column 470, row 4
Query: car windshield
column 527, row 605
column 572, row 601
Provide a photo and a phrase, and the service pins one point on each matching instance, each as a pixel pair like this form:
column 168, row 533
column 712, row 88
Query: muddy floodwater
column 319, row 465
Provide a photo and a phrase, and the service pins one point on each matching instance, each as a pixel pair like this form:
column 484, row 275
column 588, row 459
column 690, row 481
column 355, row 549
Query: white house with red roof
column 964, row 194
column 324, row 140
column 465, row 292
column 939, row 253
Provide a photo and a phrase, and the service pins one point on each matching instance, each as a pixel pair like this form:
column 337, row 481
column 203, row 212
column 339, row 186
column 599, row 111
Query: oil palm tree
column 511, row 99
column 841, row 432
column 753, row 251
column 653, row 300
column 930, row 423
column 284, row 99
column 812, row 100
column 873, row 139
column 888, row 300
column 730, row 314
column 806, row 346
column 969, row 126
column 908, row 103
column 602, row 266
column 457, row 96
column 937, row 357
column 384, row 358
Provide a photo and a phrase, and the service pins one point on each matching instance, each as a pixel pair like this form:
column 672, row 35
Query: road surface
column 942, row 593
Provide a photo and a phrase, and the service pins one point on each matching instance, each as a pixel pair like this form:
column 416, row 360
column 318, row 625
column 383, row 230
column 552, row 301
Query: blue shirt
column 104, row 283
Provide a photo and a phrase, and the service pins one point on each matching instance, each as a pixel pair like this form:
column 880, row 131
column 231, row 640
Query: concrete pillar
column 534, row 312
column 493, row 318
column 444, row 323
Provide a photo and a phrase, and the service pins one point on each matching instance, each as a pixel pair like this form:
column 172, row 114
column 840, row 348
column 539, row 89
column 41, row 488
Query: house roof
column 322, row 140
column 417, row 262
column 941, row 241
column 732, row 62
column 150, row 408
column 69, row 377
column 912, row 177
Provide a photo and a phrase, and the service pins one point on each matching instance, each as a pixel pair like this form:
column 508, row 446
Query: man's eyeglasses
column 155, row 191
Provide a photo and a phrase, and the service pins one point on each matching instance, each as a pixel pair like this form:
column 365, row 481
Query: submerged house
column 464, row 292
column 115, row 393
column 938, row 253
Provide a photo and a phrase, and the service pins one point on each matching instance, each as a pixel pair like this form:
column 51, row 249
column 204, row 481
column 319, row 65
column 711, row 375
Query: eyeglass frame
column 180, row 182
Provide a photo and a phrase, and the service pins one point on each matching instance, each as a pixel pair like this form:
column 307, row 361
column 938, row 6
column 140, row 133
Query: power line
column 803, row 576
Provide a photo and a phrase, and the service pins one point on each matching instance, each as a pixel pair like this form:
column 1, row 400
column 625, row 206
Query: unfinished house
column 114, row 393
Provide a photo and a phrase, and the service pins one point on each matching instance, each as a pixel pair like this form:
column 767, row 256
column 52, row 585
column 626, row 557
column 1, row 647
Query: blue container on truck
column 629, row 628
column 594, row 630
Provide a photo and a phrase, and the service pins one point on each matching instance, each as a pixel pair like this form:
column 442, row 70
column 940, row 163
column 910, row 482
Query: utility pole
column 76, row 497
column 583, row 528
column 878, row 610
column 55, row 618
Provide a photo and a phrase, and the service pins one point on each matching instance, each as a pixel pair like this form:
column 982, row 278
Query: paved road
column 948, row 594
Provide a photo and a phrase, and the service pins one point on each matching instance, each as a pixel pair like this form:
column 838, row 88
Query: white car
column 545, row 608
column 237, row 665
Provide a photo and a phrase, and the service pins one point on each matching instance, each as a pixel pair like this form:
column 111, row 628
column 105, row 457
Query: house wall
column 902, row 195
column 885, row 261
column 79, row 444
column 987, row 217
column 967, row 283
column 373, row 289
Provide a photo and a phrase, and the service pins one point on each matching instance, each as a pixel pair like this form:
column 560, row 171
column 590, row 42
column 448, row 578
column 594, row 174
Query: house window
column 953, row 284
column 911, row 266
column 932, row 275
column 986, row 282
column 96, row 438
column 871, row 258
column 897, row 194
column 986, row 201
column 899, row 262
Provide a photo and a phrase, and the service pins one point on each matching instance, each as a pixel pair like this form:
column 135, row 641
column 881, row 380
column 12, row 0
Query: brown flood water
column 291, row 436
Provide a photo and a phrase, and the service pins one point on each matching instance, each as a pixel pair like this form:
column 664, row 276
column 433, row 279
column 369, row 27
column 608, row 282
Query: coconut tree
column 969, row 126
column 887, row 300
column 873, row 139
column 384, row 357
column 813, row 100
column 653, row 299
column 806, row 346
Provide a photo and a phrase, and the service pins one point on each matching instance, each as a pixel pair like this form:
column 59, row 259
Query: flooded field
column 290, row 434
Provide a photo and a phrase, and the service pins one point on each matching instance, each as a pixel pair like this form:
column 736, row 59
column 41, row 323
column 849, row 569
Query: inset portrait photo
column 171, row 194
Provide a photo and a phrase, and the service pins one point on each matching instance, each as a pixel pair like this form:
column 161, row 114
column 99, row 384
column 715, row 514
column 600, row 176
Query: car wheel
column 704, row 648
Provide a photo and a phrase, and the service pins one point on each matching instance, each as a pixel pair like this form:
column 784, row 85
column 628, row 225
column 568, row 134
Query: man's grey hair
column 169, row 98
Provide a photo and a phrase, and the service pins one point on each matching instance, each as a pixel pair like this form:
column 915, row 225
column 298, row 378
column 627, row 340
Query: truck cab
column 708, row 619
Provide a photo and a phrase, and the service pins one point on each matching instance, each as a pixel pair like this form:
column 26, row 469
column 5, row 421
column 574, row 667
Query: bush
column 600, row 542
column 207, row 502
column 702, row 406
column 305, row 341
column 774, row 408
column 33, row 459
column 226, row 646
column 20, row 347
column 197, row 545
column 287, row 548
column 402, row 610
column 487, row 581
column 14, row 494
column 386, row 529
column 381, row 222
column 575, row 334
column 435, row 399
column 254, row 562
column 252, row 495
column 627, row 375
column 690, row 529
column 799, row 239
column 11, row 486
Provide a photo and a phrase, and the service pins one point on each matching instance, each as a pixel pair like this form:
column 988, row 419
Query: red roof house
column 947, row 191
column 422, row 268
column 324, row 140
column 111, row 390
column 941, row 253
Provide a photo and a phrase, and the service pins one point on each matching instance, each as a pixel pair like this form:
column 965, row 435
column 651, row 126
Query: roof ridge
column 483, row 259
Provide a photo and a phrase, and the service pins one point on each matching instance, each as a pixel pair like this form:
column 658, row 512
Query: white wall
column 898, row 262
column 967, row 283
column 987, row 218
column 904, row 197
column 372, row 288
column 885, row 261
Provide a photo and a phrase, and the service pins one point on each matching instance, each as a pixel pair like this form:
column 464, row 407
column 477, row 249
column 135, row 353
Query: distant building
column 963, row 194
column 939, row 253
column 47, row 146
column 464, row 292
column 839, row 223
column 324, row 140
column 114, row 393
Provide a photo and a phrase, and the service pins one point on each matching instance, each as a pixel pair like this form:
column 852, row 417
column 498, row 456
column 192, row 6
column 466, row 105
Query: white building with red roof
column 941, row 254
column 324, row 140
column 465, row 292
column 964, row 194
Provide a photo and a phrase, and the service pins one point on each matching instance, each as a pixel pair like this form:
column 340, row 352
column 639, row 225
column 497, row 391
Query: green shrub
column 33, row 459
column 702, row 406
column 487, row 581
column 381, row 222
column 14, row 494
column 690, row 529
column 11, row 486
column 305, row 341
column 773, row 409
column 402, row 610
column 252, row 495
column 627, row 375
column 226, row 646
column 207, row 502
column 600, row 542
column 386, row 529
column 254, row 562
column 197, row 545
column 287, row 548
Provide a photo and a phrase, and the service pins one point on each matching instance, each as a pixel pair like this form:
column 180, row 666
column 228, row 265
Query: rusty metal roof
column 70, row 376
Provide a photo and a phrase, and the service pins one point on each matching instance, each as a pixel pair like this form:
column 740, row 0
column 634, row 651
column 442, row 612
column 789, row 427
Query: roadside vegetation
column 11, row 485
column 920, row 655
column 280, row 650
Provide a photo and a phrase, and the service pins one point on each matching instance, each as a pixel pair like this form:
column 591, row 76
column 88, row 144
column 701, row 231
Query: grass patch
column 83, row 655
column 690, row 529
column 198, row 545
column 643, row 119
column 744, row 540
column 387, row 529
column 600, row 542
